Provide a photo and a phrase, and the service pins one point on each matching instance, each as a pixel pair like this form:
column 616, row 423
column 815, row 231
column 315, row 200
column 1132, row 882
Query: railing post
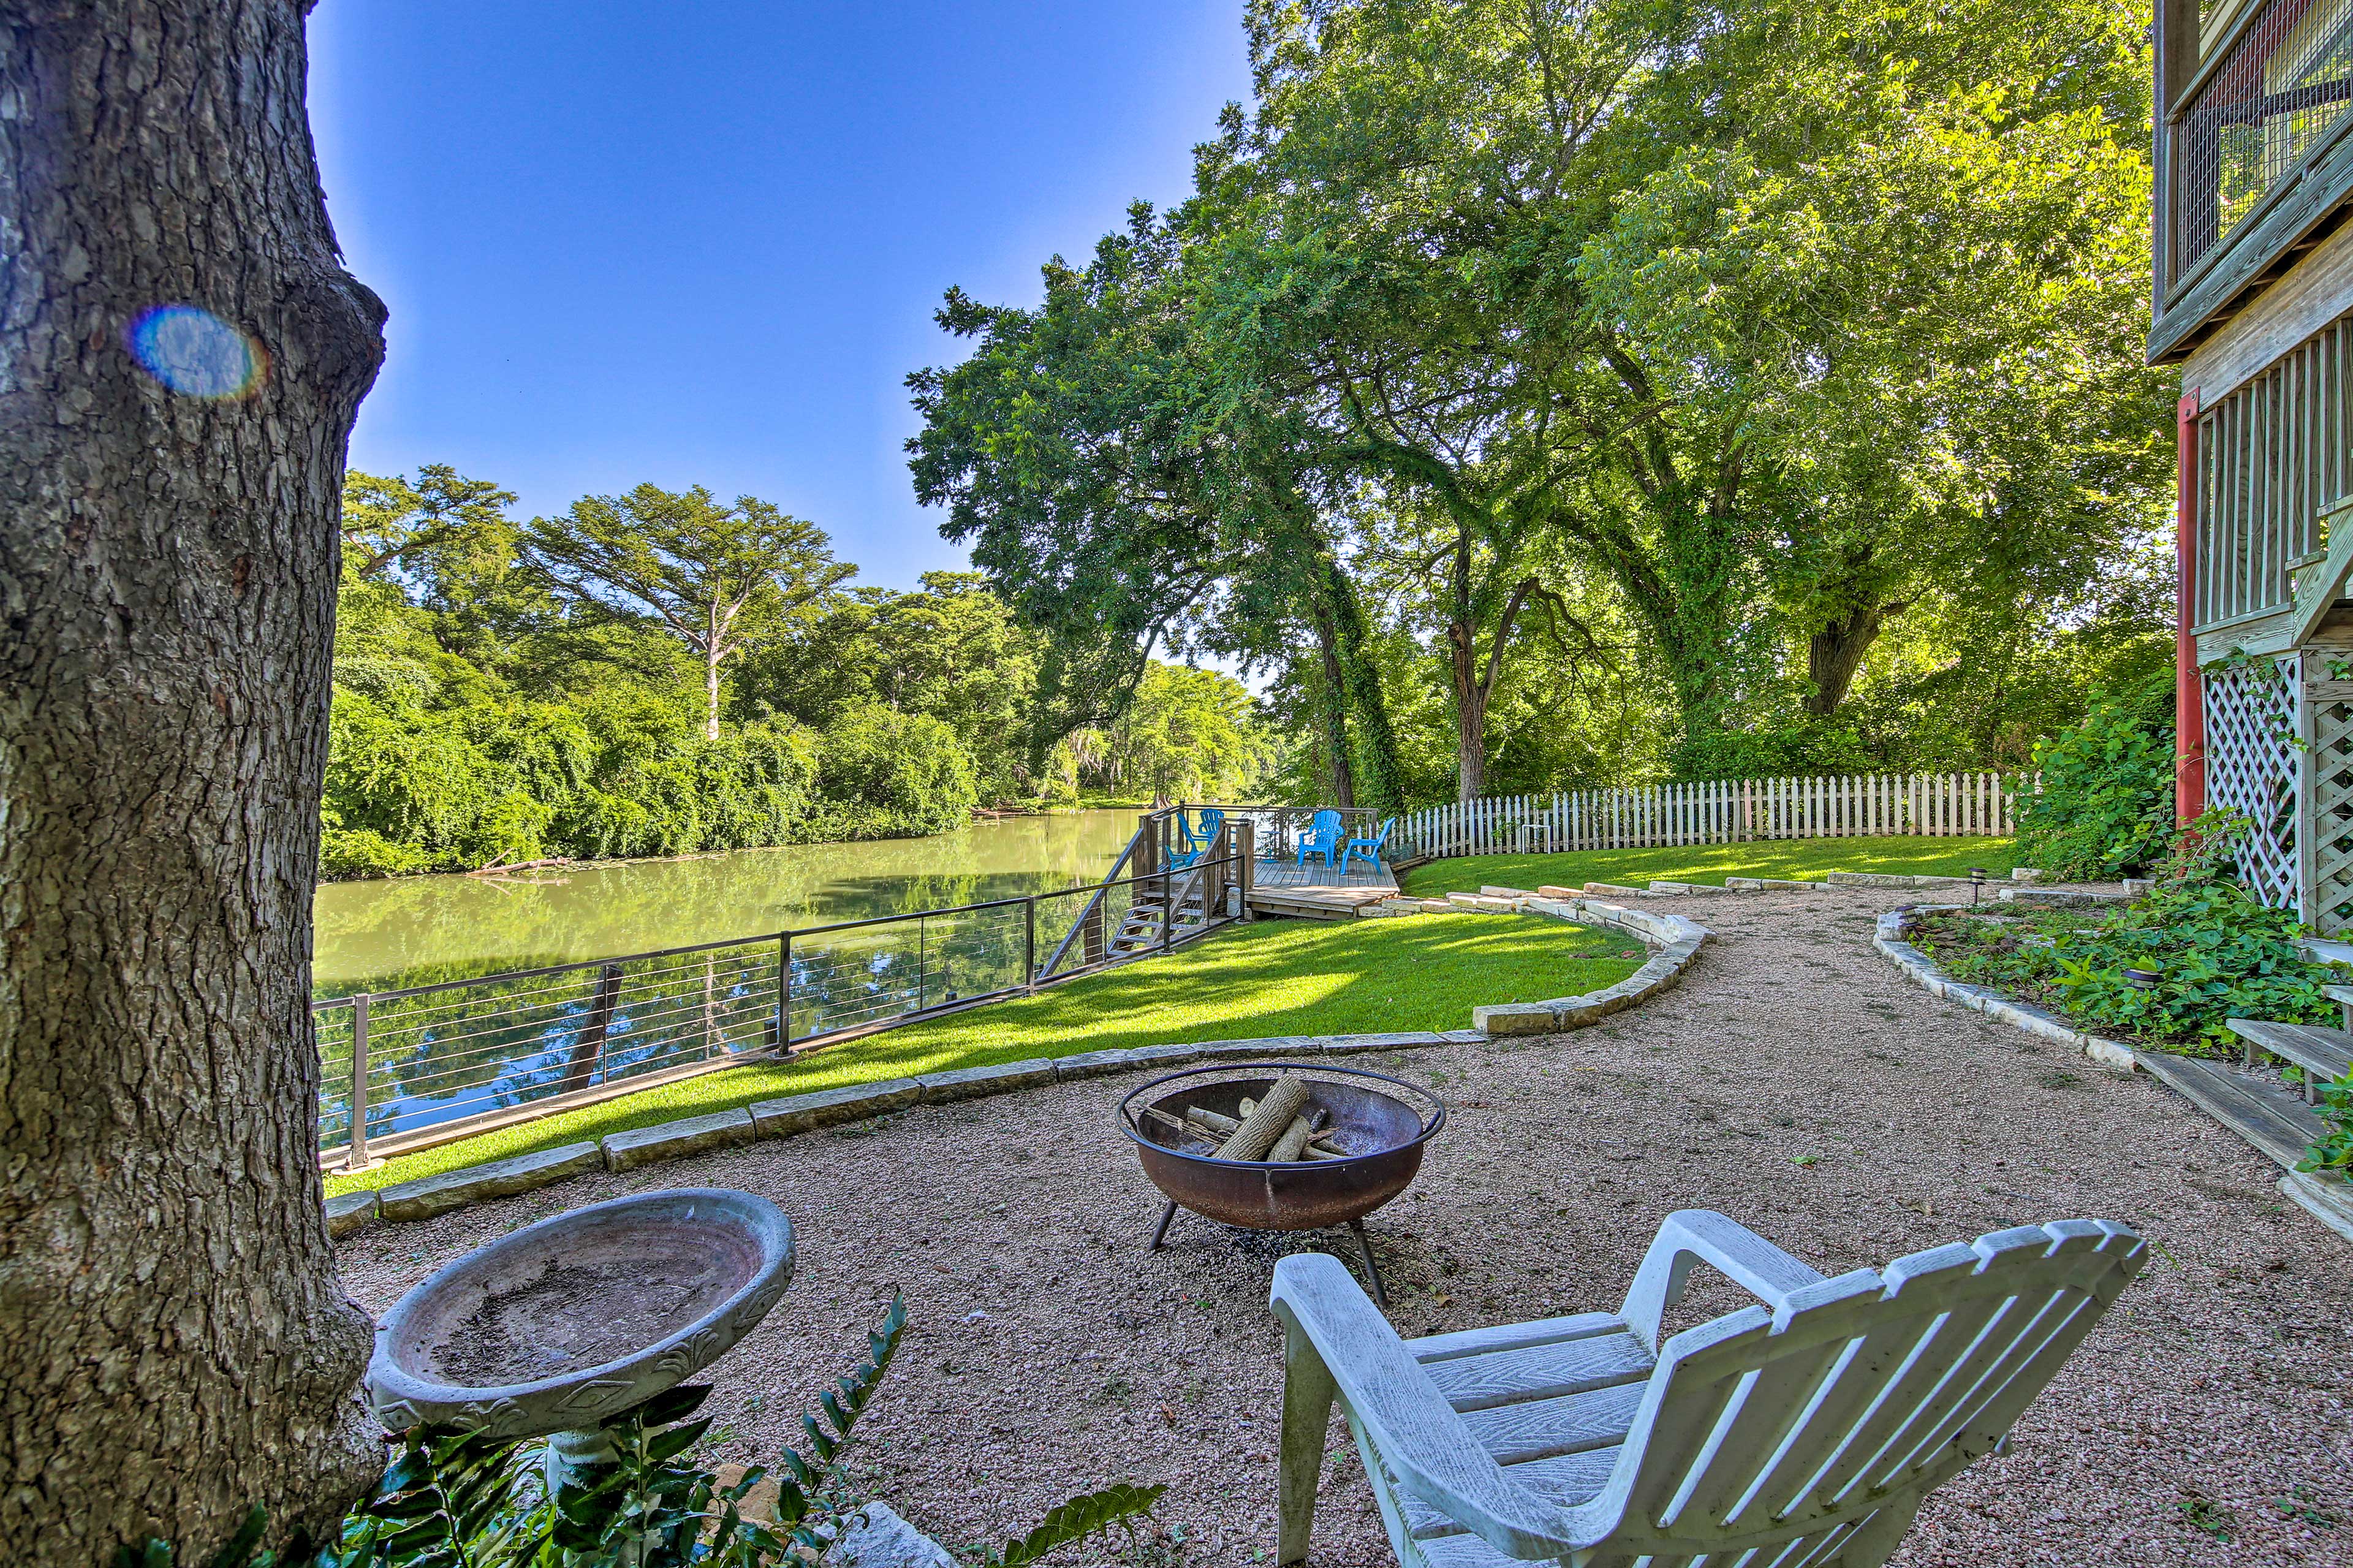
column 709, row 1006
column 784, row 1030
column 1030, row 943
column 355, row 1156
column 1246, row 847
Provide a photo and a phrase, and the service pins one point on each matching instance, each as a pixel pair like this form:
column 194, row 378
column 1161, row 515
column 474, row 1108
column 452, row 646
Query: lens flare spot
column 195, row 353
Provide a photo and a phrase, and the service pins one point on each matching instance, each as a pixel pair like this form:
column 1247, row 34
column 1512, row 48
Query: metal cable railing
column 2257, row 107
column 434, row 1059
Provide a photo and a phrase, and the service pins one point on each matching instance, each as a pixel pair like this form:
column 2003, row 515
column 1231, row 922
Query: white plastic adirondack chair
column 1800, row 1433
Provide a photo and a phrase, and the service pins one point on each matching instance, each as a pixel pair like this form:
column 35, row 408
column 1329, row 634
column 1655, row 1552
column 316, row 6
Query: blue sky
column 701, row 243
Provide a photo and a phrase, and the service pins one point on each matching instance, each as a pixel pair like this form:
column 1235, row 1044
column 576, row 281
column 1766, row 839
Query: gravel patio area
column 2205, row 1421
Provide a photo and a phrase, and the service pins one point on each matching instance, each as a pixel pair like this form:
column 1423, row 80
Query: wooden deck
column 1317, row 891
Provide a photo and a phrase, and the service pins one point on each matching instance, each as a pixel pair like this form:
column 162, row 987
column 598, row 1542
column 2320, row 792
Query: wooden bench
column 2324, row 1054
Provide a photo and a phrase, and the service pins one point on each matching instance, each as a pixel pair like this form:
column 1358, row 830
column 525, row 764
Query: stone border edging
column 1677, row 939
column 2021, row 885
column 1896, row 925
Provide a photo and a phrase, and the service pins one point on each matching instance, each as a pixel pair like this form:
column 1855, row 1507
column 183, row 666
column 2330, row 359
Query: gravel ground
column 2205, row 1421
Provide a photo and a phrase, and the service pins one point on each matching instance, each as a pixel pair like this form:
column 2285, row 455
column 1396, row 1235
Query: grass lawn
column 1712, row 863
column 1267, row 978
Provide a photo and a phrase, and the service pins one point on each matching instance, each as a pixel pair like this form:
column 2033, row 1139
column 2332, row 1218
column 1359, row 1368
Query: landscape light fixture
column 2142, row 979
column 1976, row 884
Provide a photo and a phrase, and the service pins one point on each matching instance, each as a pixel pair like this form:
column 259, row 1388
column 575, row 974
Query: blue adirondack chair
column 1368, row 848
column 1205, row 837
column 1322, row 837
column 1196, row 841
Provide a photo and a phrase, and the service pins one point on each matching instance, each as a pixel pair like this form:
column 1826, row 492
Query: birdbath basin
column 560, row 1325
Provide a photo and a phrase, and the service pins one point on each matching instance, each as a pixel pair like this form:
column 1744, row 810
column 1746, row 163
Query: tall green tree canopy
column 395, row 522
column 714, row 578
column 1704, row 345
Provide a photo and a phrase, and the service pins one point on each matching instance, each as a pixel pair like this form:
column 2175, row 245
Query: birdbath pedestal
column 558, row 1326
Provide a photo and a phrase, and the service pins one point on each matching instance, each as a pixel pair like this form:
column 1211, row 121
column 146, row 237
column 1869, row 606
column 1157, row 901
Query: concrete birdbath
column 581, row 1316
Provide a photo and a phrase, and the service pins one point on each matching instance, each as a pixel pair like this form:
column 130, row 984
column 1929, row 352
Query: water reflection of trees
column 383, row 936
column 492, row 1039
column 491, row 1045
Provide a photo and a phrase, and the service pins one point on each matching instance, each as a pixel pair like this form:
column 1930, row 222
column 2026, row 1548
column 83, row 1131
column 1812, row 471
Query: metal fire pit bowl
column 1379, row 1123
column 590, row 1312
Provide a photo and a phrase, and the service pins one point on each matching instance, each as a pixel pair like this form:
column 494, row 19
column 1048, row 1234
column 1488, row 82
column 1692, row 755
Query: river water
column 414, row 931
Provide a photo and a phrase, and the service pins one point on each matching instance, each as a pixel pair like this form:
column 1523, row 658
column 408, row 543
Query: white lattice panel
column 2328, row 767
column 2252, row 768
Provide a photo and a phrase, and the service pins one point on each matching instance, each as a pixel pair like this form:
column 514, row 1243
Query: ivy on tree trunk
column 181, row 357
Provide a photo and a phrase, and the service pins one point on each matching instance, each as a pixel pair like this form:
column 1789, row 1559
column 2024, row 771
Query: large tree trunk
column 1329, row 696
column 176, row 1345
column 1383, row 787
column 1474, row 687
column 1835, row 652
column 1470, row 710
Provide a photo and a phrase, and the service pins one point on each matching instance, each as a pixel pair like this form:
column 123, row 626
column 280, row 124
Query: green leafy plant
column 2333, row 1152
column 2106, row 806
column 455, row 1499
column 2216, row 955
column 244, row 1550
column 1074, row 1521
column 2206, row 851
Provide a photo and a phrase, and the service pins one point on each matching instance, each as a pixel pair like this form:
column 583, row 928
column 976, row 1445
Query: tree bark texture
column 1349, row 661
column 1834, row 653
column 1474, row 687
column 175, row 1343
column 1329, row 697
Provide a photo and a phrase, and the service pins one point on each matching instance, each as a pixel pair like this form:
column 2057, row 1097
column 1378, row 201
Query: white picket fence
column 1718, row 811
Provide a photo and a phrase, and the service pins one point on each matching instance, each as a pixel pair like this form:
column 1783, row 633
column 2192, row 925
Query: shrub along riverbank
column 1253, row 982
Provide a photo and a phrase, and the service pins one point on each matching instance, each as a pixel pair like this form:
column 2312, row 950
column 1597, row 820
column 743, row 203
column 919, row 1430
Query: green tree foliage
column 1763, row 384
column 888, row 774
column 1188, row 734
column 393, row 522
column 951, row 650
column 1125, row 496
column 2105, row 807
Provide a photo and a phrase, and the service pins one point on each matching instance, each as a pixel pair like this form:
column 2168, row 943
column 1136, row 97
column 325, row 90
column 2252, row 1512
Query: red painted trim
column 2188, row 694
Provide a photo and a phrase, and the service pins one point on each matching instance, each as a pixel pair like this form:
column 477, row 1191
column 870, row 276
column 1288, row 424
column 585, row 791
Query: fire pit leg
column 1372, row 1270
column 1160, row 1233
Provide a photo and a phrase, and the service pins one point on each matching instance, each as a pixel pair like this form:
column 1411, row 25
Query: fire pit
column 1376, row 1124
column 579, row 1316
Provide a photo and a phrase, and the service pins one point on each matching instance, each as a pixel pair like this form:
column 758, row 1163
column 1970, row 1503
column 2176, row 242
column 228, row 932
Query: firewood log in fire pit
column 1268, row 1121
column 1182, row 1124
column 1305, row 1139
column 1209, row 1127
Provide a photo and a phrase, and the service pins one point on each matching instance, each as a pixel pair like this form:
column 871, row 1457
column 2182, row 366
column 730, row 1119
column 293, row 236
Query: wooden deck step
column 2258, row 1110
column 1268, row 903
column 2325, row 1053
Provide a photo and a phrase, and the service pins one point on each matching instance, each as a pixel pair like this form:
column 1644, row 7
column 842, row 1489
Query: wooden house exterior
column 2254, row 303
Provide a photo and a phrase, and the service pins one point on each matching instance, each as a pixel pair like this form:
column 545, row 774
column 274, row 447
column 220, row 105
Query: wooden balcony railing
column 2267, row 101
